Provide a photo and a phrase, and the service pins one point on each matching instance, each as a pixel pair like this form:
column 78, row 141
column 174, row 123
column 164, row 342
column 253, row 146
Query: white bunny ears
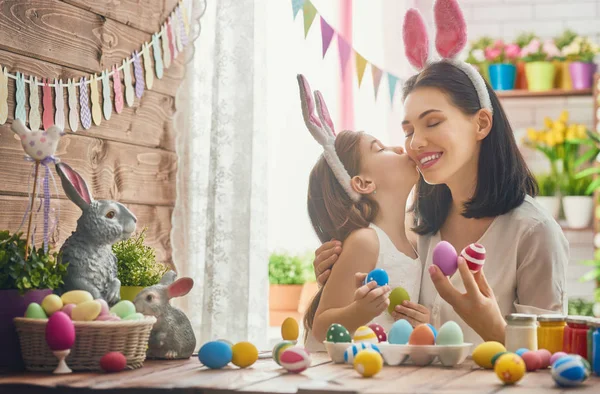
column 322, row 130
column 450, row 39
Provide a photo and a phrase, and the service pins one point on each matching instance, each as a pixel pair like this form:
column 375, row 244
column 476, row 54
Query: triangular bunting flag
column 297, row 6
column 345, row 51
column 377, row 73
column 361, row 64
column 392, row 80
column 309, row 16
column 326, row 35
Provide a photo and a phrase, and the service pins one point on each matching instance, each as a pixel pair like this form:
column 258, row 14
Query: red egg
column 60, row 331
column 379, row 331
column 532, row 360
column 474, row 255
column 113, row 362
column 545, row 356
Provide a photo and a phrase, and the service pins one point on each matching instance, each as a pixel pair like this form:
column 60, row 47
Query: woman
column 474, row 187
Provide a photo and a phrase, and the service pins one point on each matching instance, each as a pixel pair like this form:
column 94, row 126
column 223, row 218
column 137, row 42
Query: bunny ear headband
column 450, row 39
column 322, row 130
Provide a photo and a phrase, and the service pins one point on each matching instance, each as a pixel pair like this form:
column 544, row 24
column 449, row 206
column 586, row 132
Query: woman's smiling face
column 440, row 138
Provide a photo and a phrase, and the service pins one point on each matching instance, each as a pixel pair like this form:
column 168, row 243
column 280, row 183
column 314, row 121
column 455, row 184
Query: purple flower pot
column 12, row 305
column 582, row 74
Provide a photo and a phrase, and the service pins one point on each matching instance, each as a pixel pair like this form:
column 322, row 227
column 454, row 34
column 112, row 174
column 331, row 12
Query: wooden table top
column 188, row 376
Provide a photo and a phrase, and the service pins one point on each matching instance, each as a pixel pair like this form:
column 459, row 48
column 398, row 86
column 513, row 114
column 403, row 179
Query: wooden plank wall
column 131, row 157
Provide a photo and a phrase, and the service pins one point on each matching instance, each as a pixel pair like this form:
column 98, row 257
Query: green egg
column 450, row 333
column 35, row 311
column 134, row 316
column 397, row 297
column 497, row 356
column 338, row 334
column 123, row 309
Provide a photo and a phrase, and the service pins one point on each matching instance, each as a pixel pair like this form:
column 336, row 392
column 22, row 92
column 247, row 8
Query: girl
column 357, row 194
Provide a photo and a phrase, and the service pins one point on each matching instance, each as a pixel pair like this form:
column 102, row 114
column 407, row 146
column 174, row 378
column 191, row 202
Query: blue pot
column 502, row 76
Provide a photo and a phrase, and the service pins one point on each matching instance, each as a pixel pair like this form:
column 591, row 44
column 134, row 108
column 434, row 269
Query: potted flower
column 562, row 77
column 21, row 283
column 548, row 196
column 581, row 52
column 137, row 267
column 476, row 56
column 577, row 204
column 522, row 41
column 539, row 68
column 502, row 70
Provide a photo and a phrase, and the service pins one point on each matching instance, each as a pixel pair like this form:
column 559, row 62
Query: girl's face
column 442, row 140
column 385, row 168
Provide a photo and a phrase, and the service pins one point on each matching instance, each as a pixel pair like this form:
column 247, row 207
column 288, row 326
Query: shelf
column 522, row 93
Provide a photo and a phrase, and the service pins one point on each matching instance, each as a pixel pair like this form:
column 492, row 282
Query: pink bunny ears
column 450, row 40
column 323, row 132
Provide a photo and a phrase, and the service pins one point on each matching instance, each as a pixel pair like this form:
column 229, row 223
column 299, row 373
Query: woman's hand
column 414, row 313
column 371, row 300
column 477, row 307
column 325, row 256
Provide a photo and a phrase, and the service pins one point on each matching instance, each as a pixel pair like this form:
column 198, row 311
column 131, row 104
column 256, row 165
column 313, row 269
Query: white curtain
column 219, row 235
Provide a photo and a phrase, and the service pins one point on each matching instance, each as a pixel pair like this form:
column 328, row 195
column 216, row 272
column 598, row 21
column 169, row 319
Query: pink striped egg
column 295, row 359
column 474, row 255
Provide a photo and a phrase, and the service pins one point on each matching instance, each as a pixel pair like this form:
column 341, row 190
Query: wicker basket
column 92, row 341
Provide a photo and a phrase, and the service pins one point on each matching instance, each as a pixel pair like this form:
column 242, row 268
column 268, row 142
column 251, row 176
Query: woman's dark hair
column 503, row 178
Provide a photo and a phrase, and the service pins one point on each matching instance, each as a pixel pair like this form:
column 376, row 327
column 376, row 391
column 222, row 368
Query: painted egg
column 86, row 311
column 215, row 354
column 356, row 348
column 585, row 362
column 295, row 359
column 400, row 332
column 421, row 335
column 510, row 368
column 368, row 363
column 568, row 371
column 244, row 354
column 433, row 330
column 76, row 297
column 474, row 255
column 123, row 308
column 483, row 353
column 544, row 357
column 289, row 329
column 379, row 331
column 279, row 348
column 104, row 310
column 109, row 317
column 450, row 334
column 522, row 351
column 60, row 332
column 445, row 257
column 68, row 309
column 52, row 303
column 532, row 360
column 338, row 333
column 397, row 297
column 135, row 316
column 365, row 334
column 557, row 356
column 35, row 311
column 378, row 275
column 113, row 362
column 496, row 357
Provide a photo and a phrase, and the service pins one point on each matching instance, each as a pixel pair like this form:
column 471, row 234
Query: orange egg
column 421, row 335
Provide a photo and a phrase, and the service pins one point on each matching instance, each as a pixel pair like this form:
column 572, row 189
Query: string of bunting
column 165, row 45
column 346, row 51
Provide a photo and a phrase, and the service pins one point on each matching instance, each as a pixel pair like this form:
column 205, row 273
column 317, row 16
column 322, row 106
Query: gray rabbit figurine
column 92, row 263
column 172, row 336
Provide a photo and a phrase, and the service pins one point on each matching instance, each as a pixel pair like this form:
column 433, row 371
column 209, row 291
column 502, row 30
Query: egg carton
column 421, row 355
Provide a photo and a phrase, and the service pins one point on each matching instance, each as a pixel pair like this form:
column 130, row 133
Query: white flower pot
column 551, row 204
column 578, row 210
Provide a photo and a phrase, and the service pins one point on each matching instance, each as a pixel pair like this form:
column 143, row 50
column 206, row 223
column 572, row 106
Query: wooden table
column 265, row 376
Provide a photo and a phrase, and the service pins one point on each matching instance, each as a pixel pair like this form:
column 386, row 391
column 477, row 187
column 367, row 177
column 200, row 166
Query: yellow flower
column 564, row 116
column 559, row 136
column 560, row 127
column 581, row 131
column 532, row 134
column 550, row 140
column 548, row 122
column 570, row 135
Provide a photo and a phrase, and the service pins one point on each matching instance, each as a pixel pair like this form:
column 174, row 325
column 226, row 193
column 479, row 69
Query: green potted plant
column 577, row 204
column 581, row 52
column 137, row 267
column 548, row 196
column 562, row 78
column 539, row 68
column 21, row 283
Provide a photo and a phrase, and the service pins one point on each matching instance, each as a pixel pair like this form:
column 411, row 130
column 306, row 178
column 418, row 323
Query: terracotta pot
column 521, row 81
column 284, row 297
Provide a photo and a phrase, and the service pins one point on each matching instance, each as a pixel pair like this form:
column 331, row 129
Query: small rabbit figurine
column 92, row 264
column 172, row 336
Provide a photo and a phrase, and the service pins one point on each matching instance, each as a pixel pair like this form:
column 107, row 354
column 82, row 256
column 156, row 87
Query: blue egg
column 433, row 330
column 215, row 355
column 400, row 332
column 357, row 347
column 378, row 275
column 568, row 371
column 521, row 351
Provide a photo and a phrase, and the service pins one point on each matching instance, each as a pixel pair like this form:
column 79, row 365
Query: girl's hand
column 477, row 307
column 370, row 301
column 325, row 256
column 414, row 313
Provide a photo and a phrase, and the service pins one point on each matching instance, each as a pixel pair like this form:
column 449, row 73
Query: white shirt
column 526, row 260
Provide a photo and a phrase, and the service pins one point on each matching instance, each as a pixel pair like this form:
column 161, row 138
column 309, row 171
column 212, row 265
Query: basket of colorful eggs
column 84, row 328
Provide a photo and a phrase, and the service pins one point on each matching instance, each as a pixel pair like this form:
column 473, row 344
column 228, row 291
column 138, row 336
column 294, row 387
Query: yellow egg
column 510, row 368
column 76, row 297
column 52, row 303
column 86, row 311
column 482, row 355
column 368, row 362
column 244, row 354
column 365, row 334
column 290, row 329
